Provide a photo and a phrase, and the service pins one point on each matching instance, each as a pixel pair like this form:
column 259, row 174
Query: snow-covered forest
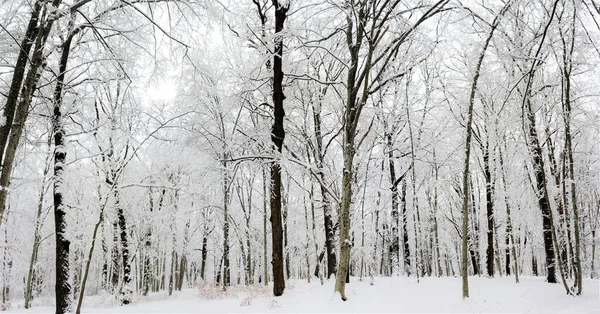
column 169, row 149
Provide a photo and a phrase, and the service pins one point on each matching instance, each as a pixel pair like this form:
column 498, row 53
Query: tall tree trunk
column 62, row 286
column 563, row 240
column 435, row 222
column 373, row 265
column 406, row 244
column 314, row 234
column 226, row 270
column 395, row 241
column 351, row 115
column 474, row 235
column 535, row 148
column 465, row 207
column 123, row 238
column 345, row 244
column 6, row 271
column 567, row 68
column 204, row 254
column 277, row 136
column 489, row 205
column 542, row 194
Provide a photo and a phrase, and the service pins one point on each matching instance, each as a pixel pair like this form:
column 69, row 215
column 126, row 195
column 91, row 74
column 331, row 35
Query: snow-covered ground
column 400, row 294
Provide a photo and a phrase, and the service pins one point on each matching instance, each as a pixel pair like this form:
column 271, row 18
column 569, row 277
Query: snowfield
column 399, row 295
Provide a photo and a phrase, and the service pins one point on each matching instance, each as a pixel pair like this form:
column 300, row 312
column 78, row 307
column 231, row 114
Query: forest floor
column 399, row 294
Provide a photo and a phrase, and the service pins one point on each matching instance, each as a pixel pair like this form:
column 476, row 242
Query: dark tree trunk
column 62, row 286
column 542, row 193
column 407, row 268
column 147, row 248
column 114, row 255
column 473, row 237
column 489, row 204
column 204, row 253
column 535, row 148
column 105, row 278
column 330, row 231
column 277, row 136
column 127, row 289
column 395, row 239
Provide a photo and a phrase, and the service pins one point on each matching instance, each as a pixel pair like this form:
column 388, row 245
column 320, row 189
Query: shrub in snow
column 246, row 301
column 211, row 291
column 274, row 304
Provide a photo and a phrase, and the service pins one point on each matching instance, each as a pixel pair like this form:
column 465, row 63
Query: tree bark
column 489, row 204
column 277, row 136
column 204, row 254
column 62, row 286
column 123, row 238
column 395, row 241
